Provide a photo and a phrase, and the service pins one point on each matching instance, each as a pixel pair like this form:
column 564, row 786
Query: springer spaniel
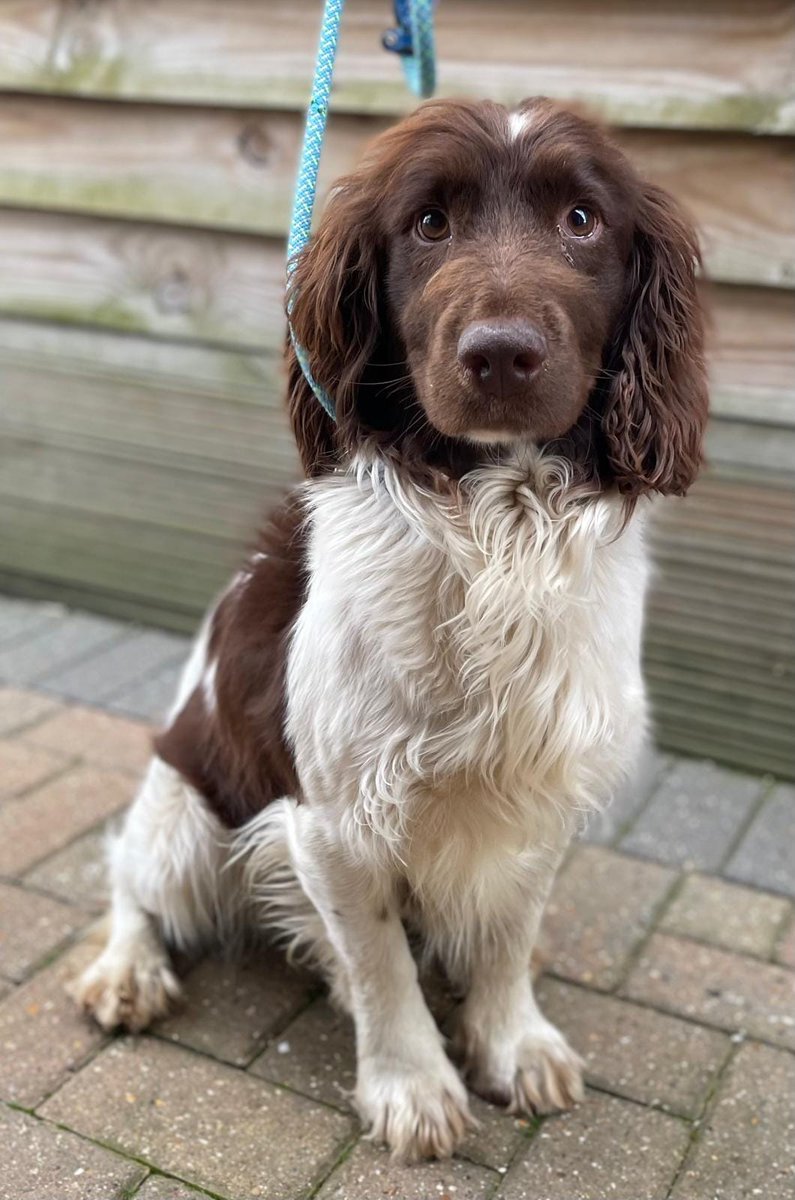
column 428, row 672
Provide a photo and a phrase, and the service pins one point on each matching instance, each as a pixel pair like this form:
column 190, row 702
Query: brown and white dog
column 429, row 670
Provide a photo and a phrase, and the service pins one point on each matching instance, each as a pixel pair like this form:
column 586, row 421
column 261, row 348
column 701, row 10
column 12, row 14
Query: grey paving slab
column 208, row 1123
column 605, row 827
column 73, row 637
column 22, row 619
column 746, row 1148
column 694, row 816
column 150, row 699
column 41, row 1162
column 765, row 855
column 112, row 668
column 604, row 1148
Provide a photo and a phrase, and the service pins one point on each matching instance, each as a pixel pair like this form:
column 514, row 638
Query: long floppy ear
column 656, row 404
column 333, row 300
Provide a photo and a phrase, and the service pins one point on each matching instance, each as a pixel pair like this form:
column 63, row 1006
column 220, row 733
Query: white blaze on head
column 518, row 123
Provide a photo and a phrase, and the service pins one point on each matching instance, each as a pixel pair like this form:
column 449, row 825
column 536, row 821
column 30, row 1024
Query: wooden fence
column 147, row 153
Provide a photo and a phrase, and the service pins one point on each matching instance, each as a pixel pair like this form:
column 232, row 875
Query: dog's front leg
column 407, row 1090
column 512, row 1054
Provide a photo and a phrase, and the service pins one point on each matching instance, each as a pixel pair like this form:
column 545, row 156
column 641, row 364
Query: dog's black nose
column 501, row 357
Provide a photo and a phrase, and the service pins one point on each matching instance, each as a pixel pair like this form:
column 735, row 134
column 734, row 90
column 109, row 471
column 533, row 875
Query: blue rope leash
column 414, row 41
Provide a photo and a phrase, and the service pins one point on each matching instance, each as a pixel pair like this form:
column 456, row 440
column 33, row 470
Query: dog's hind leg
column 168, row 890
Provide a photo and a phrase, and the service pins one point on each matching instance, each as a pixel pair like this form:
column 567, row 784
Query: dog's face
column 488, row 277
column 507, row 244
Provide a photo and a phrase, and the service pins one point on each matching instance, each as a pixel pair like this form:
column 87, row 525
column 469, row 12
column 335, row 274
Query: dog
column 428, row 672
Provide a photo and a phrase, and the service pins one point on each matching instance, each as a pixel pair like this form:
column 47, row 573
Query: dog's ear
column 333, row 306
column 656, row 401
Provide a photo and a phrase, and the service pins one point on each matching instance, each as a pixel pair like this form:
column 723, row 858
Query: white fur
column 518, row 123
column 463, row 685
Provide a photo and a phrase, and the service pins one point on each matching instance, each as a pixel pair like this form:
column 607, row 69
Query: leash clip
column 400, row 40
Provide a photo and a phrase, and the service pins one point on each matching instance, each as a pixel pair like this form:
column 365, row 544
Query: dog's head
column 489, row 278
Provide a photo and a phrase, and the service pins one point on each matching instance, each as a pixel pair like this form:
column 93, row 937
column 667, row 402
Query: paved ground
column 671, row 967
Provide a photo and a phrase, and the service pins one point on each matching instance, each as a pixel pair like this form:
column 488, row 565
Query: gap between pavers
column 208, row 1123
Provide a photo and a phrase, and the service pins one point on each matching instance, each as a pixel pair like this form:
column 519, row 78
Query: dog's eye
column 433, row 225
column 580, row 221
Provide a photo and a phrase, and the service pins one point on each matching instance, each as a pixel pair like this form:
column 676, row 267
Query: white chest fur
column 465, row 673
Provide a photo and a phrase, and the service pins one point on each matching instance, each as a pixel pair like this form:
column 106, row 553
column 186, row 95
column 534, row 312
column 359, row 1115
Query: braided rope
column 419, row 68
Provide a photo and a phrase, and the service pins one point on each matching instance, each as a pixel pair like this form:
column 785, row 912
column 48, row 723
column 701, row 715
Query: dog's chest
column 442, row 654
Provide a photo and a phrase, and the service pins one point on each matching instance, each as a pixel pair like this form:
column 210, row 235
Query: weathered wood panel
column 132, row 472
column 160, row 280
column 235, row 170
column 169, row 282
column 718, row 64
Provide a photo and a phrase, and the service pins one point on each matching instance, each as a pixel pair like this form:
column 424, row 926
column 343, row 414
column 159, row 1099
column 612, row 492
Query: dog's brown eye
column 580, row 221
column 433, row 225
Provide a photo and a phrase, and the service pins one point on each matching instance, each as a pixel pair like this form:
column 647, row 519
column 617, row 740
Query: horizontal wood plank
column 229, row 289
column 717, row 64
column 133, row 471
column 235, row 170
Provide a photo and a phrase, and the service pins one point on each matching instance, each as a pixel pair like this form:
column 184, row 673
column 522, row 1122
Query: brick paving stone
column 43, row 1037
column 127, row 660
column 368, row 1174
column 315, row 1055
column 231, row 1009
column 35, row 826
column 150, row 699
column 96, row 736
column 206, row 1122
column 603, row 828
column 635, row 1052
column 785, row 950
column 19, row 708
column 78, row 873
column 764, row 856
column 31, row 926
column 157, row 1187
column 694, row 815
column 725, row 914
column 605, row 1147
column 498, row 1137
column 708, row 985
column 56, row 643
column 23, row 767
column 41, row 1162
column 600, row 906
column 747, row 1146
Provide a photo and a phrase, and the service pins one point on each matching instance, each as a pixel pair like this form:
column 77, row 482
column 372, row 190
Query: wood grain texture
column 224, row 288
column 234, row 170
column 133, row 471
column 721, row 64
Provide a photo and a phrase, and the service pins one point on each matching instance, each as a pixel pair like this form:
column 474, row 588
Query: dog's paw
column 127, row 991
column 418, row 1112
column 538, row 1073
